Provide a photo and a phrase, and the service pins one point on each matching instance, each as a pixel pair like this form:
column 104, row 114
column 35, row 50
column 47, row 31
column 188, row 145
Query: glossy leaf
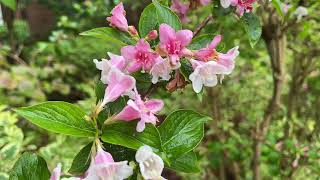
column 148, row 20
column 253, row 27
column 99, row 90
column 59, row 117
column 165, row 15
column 110, row 35
column 125, row 134
column 30, row 167
column 81, row 161
column 120, row 153
column 186, row 68
column 187, row 163
column 181, row 132
column 201, row 41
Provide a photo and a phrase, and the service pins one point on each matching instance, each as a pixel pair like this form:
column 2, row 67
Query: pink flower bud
column 118, row 18
column 152, row 35
column 133, row 31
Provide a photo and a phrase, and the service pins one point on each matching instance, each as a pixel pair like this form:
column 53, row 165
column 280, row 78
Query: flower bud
column 133, row 31
column 152, row 35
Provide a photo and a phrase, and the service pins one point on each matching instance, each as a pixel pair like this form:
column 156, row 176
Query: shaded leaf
column 252, row 26
column 81, row 161
column 165, row 15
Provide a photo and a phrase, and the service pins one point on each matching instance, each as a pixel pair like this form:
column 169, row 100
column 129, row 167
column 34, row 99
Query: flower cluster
column 161, row 62
column 242, row 6
column 103, row 166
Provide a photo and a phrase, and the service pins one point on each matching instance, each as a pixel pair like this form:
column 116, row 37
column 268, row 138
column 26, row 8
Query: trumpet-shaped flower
column 174, row 43
column 161, row 69
column 181, row 9
column 151, row 165
column 115, row 62
column 139, row 56
column 118, row 18
column 145, row 110
column 103, row 167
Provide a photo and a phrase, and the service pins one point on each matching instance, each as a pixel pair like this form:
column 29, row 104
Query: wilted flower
column 139, row 56
column 174, row 43
column 118, row 18
column 145, row 110
column 151, row 165
column 181, row 9
column 161, row 69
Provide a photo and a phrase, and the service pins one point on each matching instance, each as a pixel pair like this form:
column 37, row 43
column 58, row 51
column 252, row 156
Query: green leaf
column 181, row 132
column 165, row 15
column 187, row 163
column 59, row 117
column 81, row 161
column 186, row 69
column 148, row 20
column 125, row 134
column 99, row 90
column 201, row 41
column 30, row 167
column 110, row 35
column 120, row 153
column 277, row 5
column 10, row 4
column 252, row 26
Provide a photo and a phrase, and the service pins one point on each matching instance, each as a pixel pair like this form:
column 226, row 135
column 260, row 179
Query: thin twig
column 202, row 25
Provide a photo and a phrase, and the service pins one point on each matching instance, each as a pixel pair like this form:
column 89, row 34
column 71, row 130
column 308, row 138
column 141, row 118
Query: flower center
column 174, row 47
column 213, row 56
column 142, row 57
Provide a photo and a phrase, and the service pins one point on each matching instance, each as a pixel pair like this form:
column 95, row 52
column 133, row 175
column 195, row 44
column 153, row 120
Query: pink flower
column 118, row 18
column 119, row 84
column 139, row 56
column 144, row 110
column 115, row 62
column 174, row 43
column 161, row 69
column 205, row 2
column 103, row 167
column 244, row 6
column 152, row 35
column 209, row 53
column 181, row 9
column 56, row 173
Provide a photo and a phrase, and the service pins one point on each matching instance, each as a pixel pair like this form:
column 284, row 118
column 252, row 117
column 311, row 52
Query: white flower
column 300, row 12
column 151, row 165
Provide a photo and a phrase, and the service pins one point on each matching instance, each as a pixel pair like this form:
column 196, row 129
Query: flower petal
column 216, row 40
column 185, row 37
column 154, row 105
column 127, row 114
column 166, row 33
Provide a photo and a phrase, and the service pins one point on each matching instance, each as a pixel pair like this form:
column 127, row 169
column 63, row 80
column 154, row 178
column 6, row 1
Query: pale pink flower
column 174, row 43
column 139, row 56
column 119, row 84
column 118, row 18
column 115, row 62
column 181, row 9
column 151, row 165
column 145, row 110
column 56, row 173
column 103, row 167
column 205, row 2
column 161, row 69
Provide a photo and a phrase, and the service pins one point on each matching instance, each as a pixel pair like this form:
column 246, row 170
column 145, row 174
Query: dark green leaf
column 187, row 163
column 120, row 153
column 110, row 35
column 81, row 161
column 252, row 26
column 59, row 117
column 148, row 20
column 165, row 15
column 186, row 68
column 30, row 167
column 10, row 4
column 125, row 134
column 181, row 132
column 201, row 41
column 99, row 90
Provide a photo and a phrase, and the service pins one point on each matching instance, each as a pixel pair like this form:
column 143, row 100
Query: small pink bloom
column 56, row 173
column 174, row 43
column 118, row 18
column 181, row 9
column 152, row 35
column 119, row 84
column 285, row 7
column 103, row 167
column 139, row 56
column 161, row 69
column 243, row 6
column 144, row 110
column 115, row 62
column 133, row 31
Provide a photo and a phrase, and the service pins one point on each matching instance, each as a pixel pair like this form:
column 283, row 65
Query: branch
column 202, row 25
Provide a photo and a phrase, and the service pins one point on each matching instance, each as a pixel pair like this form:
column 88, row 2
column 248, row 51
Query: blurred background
column 267, row 110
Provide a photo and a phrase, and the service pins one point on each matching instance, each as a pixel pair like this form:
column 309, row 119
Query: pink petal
column 117, row 61
column 143, row 45
column 127, row 114
column 140, row 126
column 129, row 52
column 103, row 157
column 134, row 66
column 154, row 105
column 184, row 36
column 118, row 9
column 167, row 33
column 56, row 173
column 216, row 40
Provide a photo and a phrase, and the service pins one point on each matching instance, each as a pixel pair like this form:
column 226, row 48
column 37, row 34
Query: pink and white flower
column 145, row 110
column 115, row 62
column 139, row 56
column 151, row 165
column 174, row 43
column 118, row 18
column 161, row 69
column 181, row 9
column 244, row 6
column 103, row 167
